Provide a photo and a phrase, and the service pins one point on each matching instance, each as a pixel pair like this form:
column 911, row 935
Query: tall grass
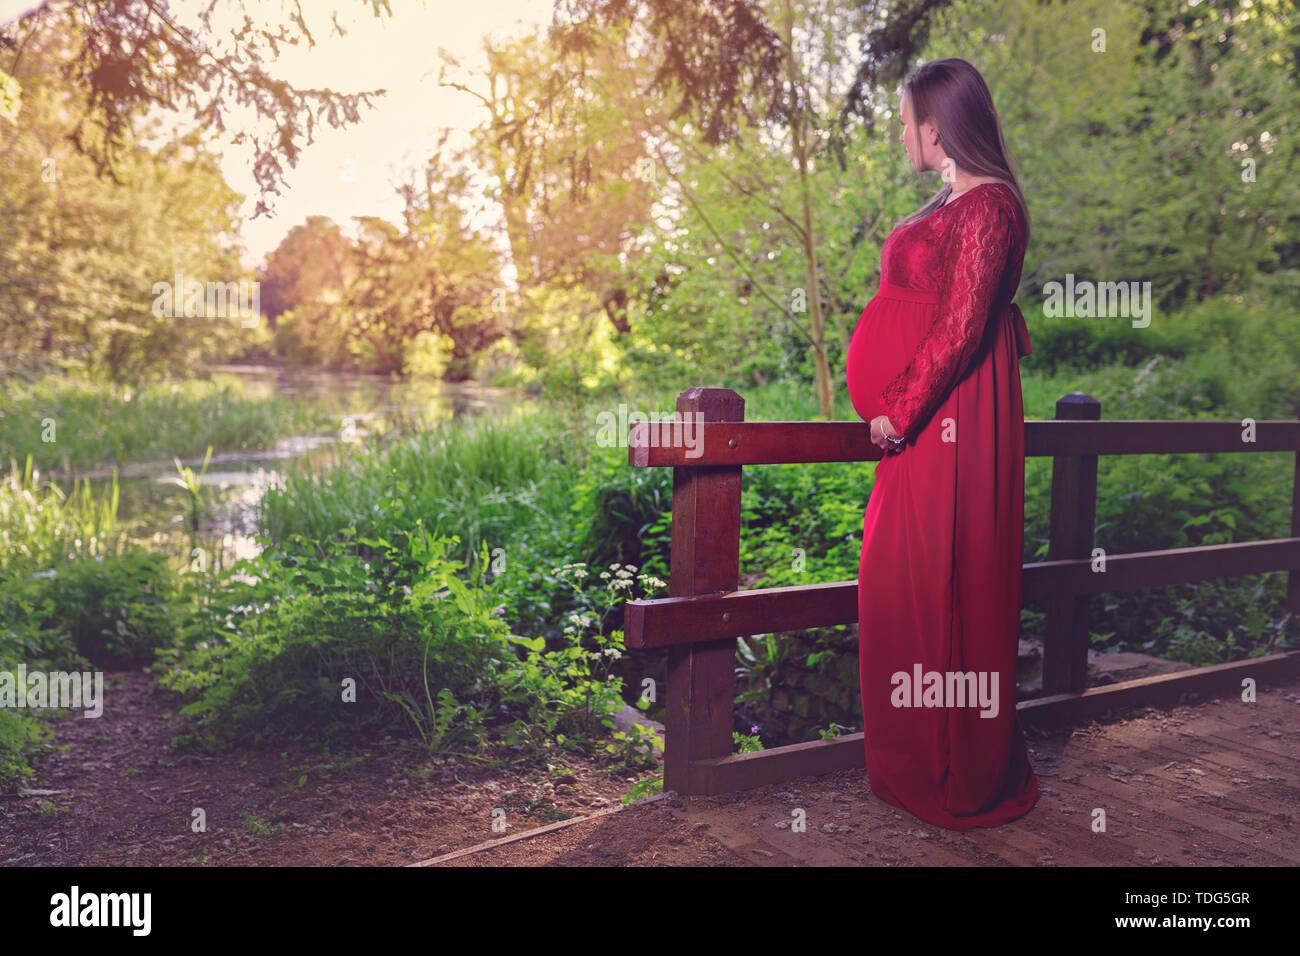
column 483, row 479
column 70, row 424
column 41, row 525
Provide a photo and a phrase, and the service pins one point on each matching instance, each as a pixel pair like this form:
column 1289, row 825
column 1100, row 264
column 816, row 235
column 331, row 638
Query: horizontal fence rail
column 698, row 623
column 666, row 621
column 788, row 443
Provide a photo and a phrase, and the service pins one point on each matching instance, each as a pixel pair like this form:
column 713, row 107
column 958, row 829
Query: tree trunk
column 812, row 283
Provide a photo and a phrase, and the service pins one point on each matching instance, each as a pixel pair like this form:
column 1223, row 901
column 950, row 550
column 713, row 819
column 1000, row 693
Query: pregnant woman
column 932, row 367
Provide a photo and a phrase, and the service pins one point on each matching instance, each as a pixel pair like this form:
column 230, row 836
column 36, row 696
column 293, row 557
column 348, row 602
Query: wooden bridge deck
column 1216, row 783
column 1211, row 783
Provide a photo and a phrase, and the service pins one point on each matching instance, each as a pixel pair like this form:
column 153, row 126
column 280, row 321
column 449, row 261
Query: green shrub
column 802, row 524
column 269, row 660
column 622, row 511
column 118, row 611
column 112, row 612
column 21, row 738
column 266, row 652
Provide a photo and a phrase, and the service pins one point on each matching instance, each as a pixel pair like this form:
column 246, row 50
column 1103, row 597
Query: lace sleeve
column 973, row 268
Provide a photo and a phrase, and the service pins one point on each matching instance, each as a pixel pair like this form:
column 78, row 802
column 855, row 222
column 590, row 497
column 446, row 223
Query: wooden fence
column 705, row 613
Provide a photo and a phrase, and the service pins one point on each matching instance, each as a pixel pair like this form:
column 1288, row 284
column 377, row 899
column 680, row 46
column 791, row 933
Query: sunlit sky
column 397, row 53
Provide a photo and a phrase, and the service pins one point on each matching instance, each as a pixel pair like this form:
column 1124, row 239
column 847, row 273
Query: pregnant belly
column 883, row 343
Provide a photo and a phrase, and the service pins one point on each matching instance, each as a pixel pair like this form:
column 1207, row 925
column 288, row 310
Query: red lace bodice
column 970, row 252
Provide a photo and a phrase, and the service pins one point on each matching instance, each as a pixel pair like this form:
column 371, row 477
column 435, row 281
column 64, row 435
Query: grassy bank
column 70, row 425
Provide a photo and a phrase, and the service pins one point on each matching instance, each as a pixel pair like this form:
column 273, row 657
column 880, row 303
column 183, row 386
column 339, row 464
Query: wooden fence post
column 705, row 559
column 1293, row 576
column 1073, row 516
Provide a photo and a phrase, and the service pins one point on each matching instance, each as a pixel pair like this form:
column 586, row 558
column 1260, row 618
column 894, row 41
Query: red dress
column 937, row 351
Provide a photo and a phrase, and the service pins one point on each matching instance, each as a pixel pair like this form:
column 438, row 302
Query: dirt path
column 123, row 796
column 1210, row 784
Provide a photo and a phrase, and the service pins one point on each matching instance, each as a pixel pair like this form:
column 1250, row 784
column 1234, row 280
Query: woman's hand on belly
column 881, row 429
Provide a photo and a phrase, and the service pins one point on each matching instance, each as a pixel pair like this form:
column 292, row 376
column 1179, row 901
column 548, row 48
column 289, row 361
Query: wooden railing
column 705, row 613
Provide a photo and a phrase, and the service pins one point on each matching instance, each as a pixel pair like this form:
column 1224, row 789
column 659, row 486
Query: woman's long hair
column 952, row 93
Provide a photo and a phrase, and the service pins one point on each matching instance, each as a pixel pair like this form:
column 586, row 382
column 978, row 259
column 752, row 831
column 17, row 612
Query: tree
column 79, row 256
column 428, row 282
column 1221, row 97
column 1135, row 146
column 727, row 58
column 459, row 267
column 133, row 55
column 307, row 266
column 563, row 139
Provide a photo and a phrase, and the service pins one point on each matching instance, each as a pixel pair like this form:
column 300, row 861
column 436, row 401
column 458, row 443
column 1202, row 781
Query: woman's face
column 927, row 159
